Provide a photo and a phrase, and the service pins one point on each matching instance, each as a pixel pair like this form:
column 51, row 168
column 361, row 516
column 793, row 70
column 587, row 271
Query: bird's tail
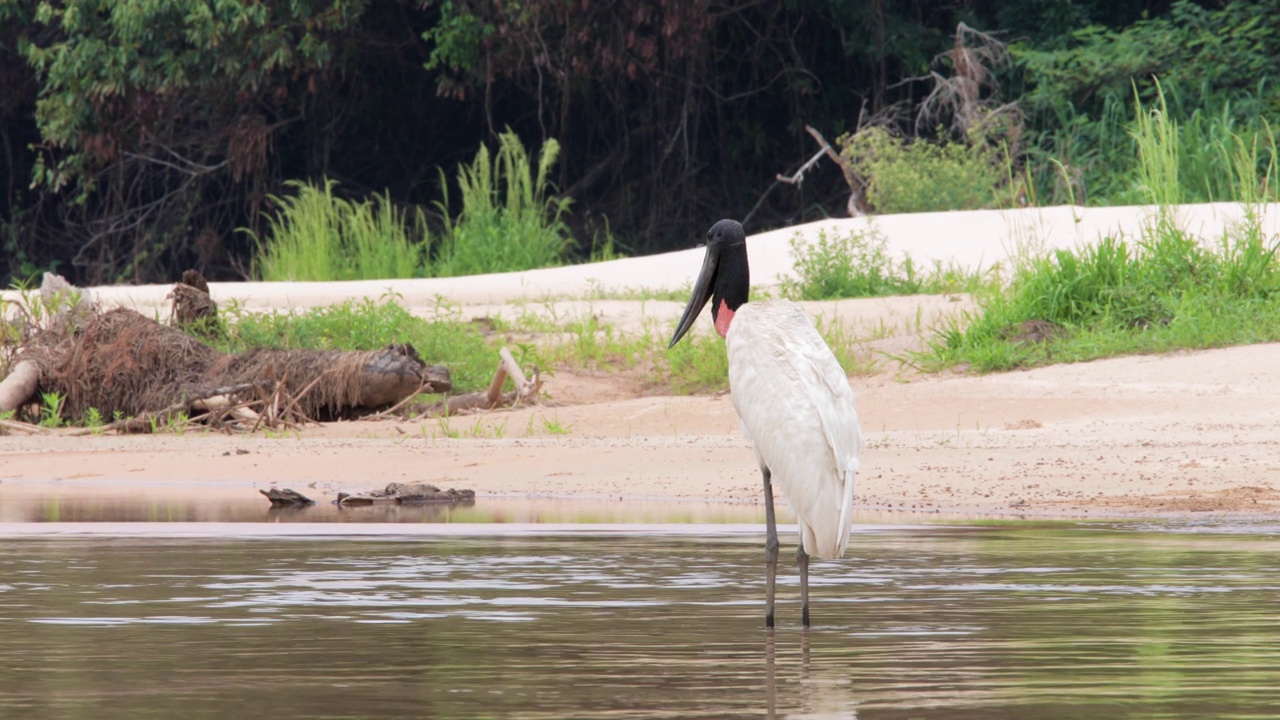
column 846, row 508
column 826, row 541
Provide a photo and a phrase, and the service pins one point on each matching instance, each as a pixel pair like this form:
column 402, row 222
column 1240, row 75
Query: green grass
column 579, row 342
column 1162, row 291
column 859, row 265
column 368, row 325
column 509, row 219
column 698, row 364
column 317, row 236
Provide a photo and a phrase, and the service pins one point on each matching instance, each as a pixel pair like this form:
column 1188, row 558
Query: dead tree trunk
column 20, row 386
column 121, row 364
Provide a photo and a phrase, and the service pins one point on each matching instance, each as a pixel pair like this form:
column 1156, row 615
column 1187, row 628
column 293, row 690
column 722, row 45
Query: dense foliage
column 140, row 136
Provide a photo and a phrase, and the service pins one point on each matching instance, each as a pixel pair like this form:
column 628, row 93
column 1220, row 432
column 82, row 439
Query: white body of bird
column 798, row 410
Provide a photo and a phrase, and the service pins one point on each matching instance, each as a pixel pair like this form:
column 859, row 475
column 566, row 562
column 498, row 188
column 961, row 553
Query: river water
column 386, row 620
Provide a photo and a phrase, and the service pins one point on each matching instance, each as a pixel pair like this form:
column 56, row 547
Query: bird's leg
column 770, row 547
column 802, row 559
column 771, row 680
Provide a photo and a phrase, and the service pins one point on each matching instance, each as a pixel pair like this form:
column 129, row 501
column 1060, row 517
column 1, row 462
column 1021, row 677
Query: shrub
column 922, row 176
column 852, row 265
column 858, row 265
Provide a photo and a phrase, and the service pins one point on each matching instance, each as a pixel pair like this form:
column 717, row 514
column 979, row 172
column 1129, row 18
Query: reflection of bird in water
column 794, row 401
column 825, row 694
column 771, row 677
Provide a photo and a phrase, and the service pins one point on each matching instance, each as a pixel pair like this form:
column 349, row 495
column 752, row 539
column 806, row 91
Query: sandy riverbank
column 1184, row 434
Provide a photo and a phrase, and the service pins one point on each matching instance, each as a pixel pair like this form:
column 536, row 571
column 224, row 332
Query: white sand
column 1186, row 434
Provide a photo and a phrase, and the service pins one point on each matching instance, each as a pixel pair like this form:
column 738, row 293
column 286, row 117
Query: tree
column 159, row 117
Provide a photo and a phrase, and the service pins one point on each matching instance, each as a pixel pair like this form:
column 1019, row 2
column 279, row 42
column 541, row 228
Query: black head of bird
column 724, row 280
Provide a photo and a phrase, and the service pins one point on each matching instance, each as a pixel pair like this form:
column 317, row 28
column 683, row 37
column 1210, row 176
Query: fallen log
column 286, row 497
column 20, row 386
column 120, row 364
column 407, row 494
column 27, row 428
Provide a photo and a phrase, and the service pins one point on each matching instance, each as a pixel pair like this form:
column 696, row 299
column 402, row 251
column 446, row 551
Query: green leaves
column 113, row 76
column 457, row 39
column 1212, row 66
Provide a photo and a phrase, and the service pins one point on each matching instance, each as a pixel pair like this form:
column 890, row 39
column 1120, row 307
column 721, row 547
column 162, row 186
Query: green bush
column 509, row 220
column 848, row 266
column 317, row 236
column 922, row 176
column 858, row 265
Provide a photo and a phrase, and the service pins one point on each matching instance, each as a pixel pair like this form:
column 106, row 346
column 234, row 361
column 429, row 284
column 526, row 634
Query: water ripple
column 960, row 623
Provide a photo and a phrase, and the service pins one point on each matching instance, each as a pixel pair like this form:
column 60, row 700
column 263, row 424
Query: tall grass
column 1099, row 160
column 1164, row 289
column 509, row 219
column 317, row 236
column 1159, row 152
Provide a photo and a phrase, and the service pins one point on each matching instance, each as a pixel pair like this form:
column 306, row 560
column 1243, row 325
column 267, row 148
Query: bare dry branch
column 22, row 427
column 525, row 392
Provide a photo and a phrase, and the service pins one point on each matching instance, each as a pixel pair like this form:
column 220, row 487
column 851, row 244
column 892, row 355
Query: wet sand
column 1189, row 434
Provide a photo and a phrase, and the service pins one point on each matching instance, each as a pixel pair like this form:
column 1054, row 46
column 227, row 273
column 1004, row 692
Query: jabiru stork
column 794, row 401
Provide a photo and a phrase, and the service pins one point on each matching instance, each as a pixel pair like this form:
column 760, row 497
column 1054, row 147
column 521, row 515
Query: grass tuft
column 317, row 236
column 1165, row 291
column 509, row 219
column 859, row 265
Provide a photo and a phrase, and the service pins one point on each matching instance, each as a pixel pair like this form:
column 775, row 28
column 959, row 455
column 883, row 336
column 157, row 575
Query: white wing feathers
column 837, row 419
column 796, row 405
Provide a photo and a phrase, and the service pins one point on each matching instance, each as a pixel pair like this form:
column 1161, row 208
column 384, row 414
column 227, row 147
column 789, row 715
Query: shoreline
column 1187, row 434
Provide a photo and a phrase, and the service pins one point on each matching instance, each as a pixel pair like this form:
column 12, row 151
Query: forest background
column 142, row 137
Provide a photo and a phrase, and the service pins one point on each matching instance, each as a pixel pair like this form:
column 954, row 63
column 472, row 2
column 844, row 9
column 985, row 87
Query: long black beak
column 701, row 294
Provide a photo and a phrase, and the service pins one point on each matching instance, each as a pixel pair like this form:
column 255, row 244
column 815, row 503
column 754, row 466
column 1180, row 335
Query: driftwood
column 857, row 204
column 286, row 498
column 218, row 400
column 121, row 364
column 407, row 494
column 191, row 303
column 22, row 427
column 19, row 386
column 525, row 392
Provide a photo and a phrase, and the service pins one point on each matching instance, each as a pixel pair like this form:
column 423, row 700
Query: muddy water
column 80, row 507
column 990, row 622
